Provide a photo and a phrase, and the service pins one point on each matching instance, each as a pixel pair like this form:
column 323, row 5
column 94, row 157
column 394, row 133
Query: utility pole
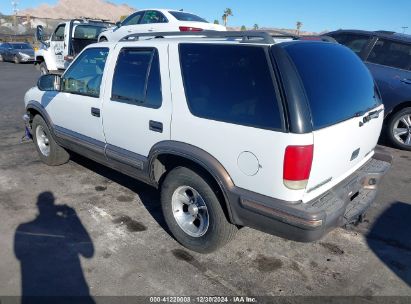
column 14, row 4
column 404, row 28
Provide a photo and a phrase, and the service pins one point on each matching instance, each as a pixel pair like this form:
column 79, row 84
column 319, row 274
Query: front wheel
column 399, row 129
column 43, row 68
column 193, row 211
column 49, row 151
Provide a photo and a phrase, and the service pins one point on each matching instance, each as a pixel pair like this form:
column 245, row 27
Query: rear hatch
column 346, row 111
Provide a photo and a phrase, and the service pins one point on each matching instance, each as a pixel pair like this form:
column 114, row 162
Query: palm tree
column 299, row 26
column 227, row 12
column 216, row 21
column 255, row 27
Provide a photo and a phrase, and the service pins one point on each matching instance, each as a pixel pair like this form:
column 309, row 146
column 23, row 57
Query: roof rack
column 246, row 36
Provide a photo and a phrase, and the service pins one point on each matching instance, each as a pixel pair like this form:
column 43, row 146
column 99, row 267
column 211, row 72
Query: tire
column 209, row 237
column 16, row 60
column 43, row 68
column 1, row 58
column 49, row 151
column 103, row 39
column 400, row 121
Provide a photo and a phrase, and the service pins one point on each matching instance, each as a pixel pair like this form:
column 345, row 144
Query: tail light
column 297, row 166
column 190, row 29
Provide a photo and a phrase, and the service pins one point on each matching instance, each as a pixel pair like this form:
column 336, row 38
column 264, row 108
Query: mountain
column 68, row 9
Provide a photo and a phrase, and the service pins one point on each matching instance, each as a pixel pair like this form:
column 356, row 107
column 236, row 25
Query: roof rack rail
column 246, row 36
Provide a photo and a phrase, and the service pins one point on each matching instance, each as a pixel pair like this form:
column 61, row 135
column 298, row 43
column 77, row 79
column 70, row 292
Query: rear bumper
column 306, row 222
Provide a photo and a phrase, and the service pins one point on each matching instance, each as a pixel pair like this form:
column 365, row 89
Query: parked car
column 68, row 39
column 158, row 20
column 226, row 140
column 388, row 56
column 16, row 52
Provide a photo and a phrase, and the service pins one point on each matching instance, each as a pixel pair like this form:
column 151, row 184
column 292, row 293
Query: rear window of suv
column 230, row 83
column 337, row 83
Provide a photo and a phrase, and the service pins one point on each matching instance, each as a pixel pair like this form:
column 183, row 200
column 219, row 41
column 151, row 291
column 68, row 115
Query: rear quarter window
column 230, row 83
column 337, row 83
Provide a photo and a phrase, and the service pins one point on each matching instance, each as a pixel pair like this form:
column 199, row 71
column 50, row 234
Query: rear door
column 154, row 21
column 346, row 111
column 137, row 103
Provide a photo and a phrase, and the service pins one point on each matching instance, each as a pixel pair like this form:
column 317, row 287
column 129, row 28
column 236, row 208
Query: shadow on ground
column 49, row 249
column 148, row 195
column 390, row 239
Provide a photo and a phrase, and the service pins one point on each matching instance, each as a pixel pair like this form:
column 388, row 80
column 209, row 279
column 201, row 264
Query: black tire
column 16, row 60
column 103, row 39
column 43, row 68
column 219, row 231
column 392, row 124
column 57, row 155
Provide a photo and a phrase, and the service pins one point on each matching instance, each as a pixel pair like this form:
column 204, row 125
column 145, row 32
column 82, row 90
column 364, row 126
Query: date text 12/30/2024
column 205, row 299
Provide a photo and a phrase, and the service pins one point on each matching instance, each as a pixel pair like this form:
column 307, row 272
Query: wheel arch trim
column 197, row 155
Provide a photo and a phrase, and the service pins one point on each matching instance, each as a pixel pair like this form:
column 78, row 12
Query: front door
column 57, row 46
column 137, row 103
column 75, row 110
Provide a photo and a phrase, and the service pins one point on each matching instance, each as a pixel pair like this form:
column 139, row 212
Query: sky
column 316, row 15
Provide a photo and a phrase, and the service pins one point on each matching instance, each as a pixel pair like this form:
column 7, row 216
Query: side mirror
column 49, row 82
column 39, row 33
column 118, row 24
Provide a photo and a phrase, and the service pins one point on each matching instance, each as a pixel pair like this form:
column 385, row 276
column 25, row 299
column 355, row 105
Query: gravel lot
column 97, row 232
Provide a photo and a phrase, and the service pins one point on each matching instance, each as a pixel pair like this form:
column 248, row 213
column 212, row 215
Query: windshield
column 87, row 31
column 21, row 46
column 187, row 17
column 337, row 83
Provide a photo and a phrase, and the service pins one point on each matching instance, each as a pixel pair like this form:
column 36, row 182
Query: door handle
column 156, row 126
column 95, row 112
column 151, row 30
column 406, row 81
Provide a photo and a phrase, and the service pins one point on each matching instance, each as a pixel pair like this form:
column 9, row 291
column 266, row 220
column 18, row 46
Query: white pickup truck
column 68, row 39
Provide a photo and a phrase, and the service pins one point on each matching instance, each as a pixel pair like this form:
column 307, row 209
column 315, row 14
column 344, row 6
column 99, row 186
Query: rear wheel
column 16, row 59
column 399, row 129
column 193, row 211
column 49, row 151
column 103, row 39
column 43, row 68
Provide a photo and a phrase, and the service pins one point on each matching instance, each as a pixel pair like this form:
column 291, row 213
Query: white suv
column 234, row 129
column 158, row 20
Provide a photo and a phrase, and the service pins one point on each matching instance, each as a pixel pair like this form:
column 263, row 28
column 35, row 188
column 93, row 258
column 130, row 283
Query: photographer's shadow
column 49, row 249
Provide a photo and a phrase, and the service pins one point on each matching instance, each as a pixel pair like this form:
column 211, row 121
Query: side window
column 230, row 83
column 390, row 53
column 58, row 34
column 132, row 19
column 137, row 78
column 355, row 42
column 85, row 74
column 153, row 17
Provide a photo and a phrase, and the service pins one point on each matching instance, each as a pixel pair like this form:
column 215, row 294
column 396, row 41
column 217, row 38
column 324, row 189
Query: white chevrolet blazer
column 234, row 129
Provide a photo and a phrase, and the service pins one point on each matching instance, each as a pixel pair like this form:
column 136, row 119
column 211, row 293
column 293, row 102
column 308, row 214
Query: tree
column 216, row 22
column 228, row 12
column 255, row 27
column 299, row 25
column 243, row 28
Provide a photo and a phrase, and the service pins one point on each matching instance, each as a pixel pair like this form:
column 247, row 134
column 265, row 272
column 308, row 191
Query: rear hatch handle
column 371, row 115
